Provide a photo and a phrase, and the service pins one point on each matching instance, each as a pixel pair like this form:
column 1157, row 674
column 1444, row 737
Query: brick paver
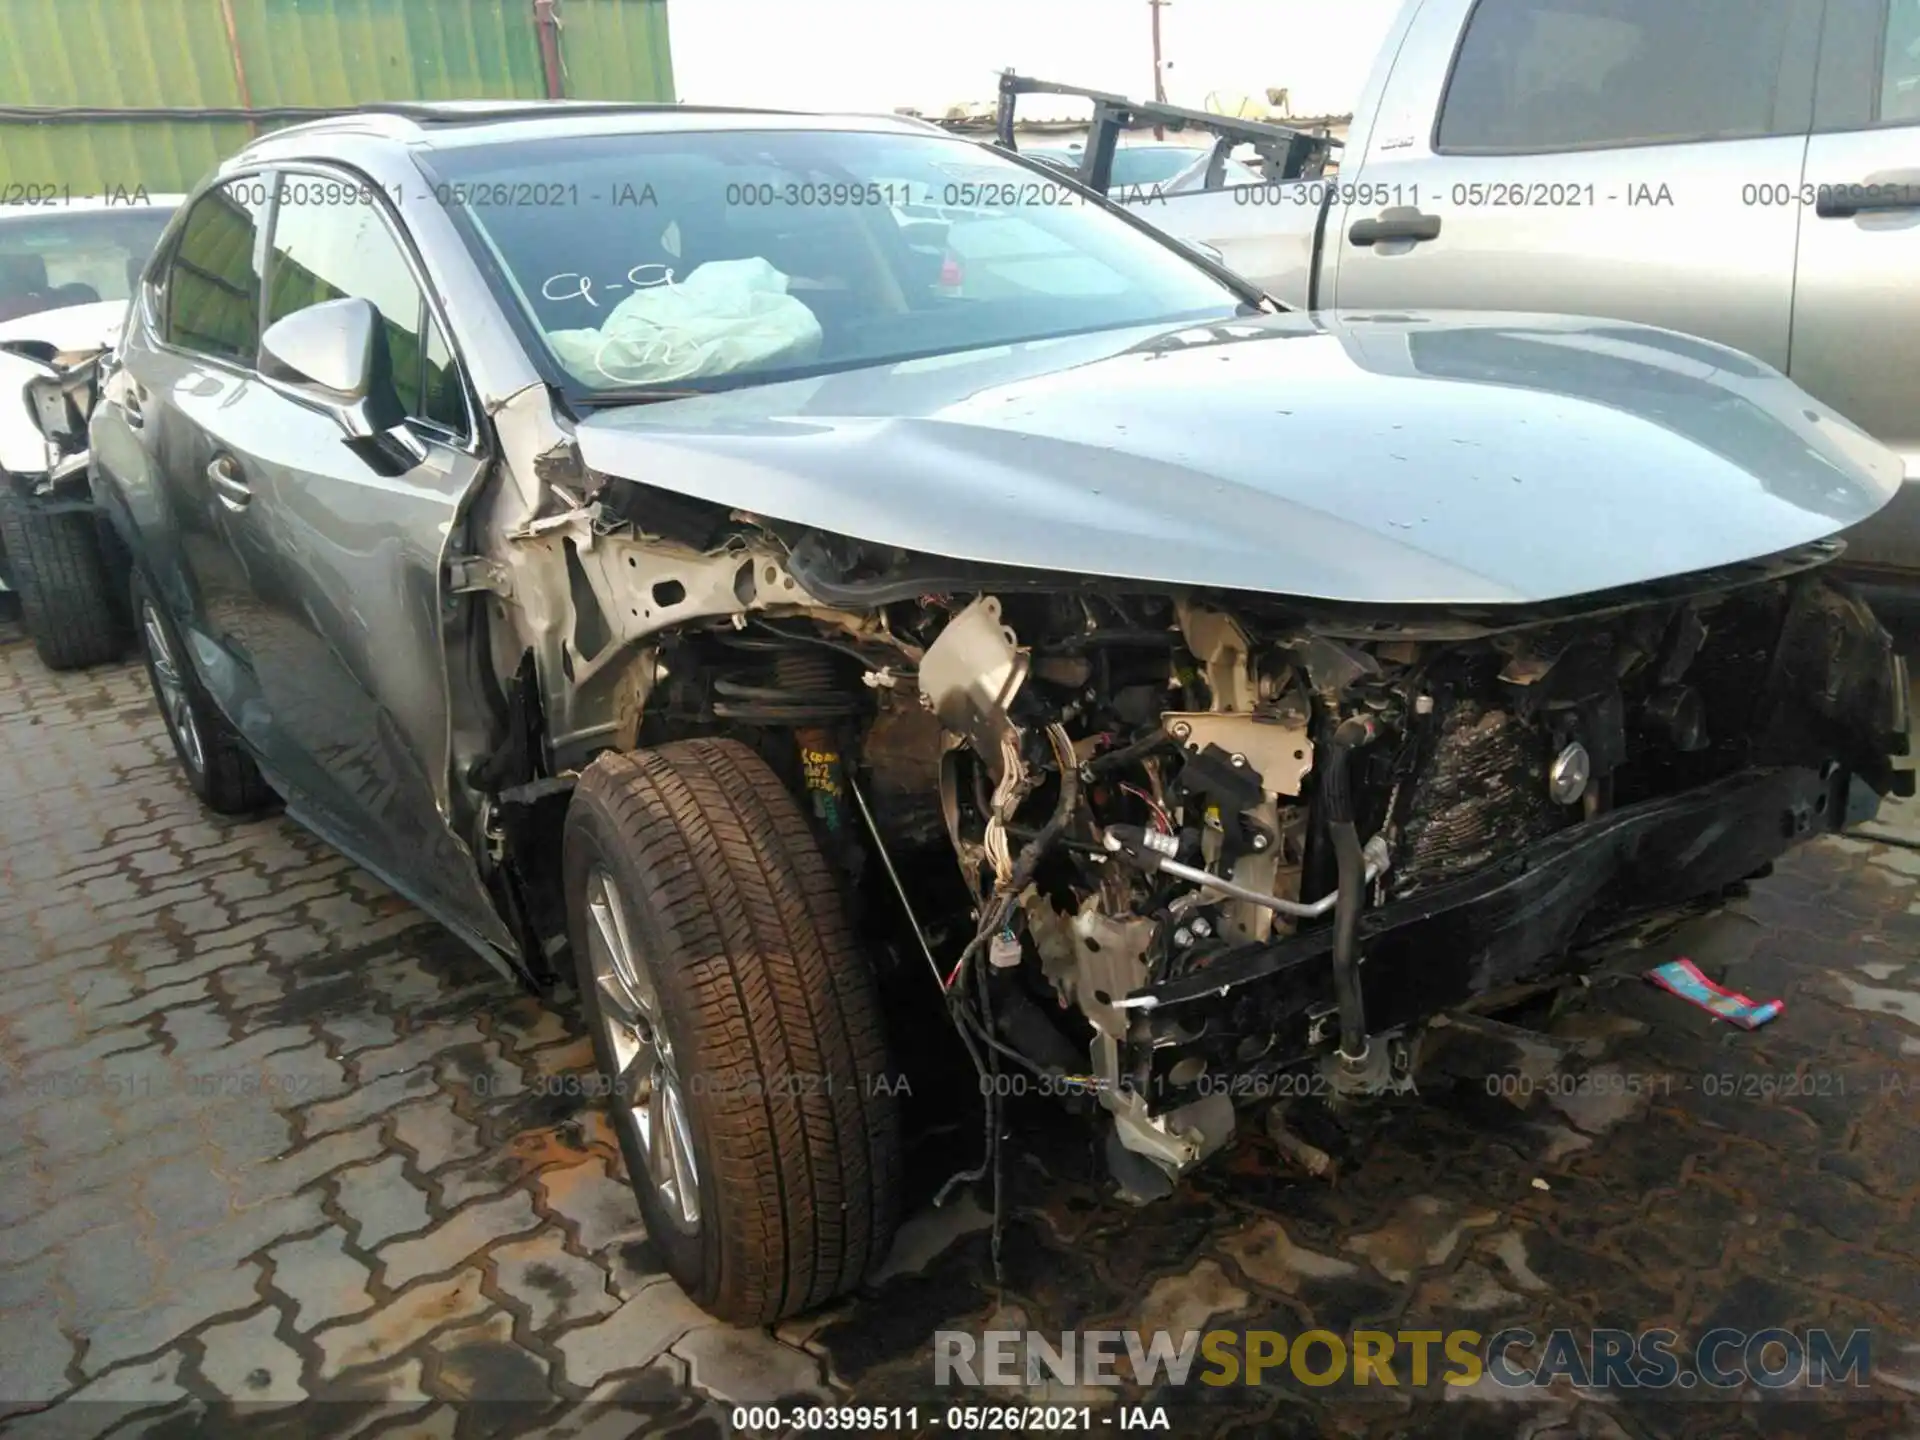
column 270, row 1138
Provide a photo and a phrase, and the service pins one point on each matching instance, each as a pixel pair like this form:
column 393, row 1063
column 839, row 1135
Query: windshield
column 706, row 260
column 49, row 260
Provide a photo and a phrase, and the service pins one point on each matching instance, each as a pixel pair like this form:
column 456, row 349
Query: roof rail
column 428, row 112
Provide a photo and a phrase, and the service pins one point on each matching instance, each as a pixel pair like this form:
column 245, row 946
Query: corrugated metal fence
column 99, row 95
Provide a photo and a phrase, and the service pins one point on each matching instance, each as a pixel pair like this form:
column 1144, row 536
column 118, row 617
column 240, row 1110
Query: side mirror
column 328, row 347
column 334, row 356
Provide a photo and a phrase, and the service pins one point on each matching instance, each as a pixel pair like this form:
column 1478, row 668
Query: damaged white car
column 66, row 269
column 825, row 637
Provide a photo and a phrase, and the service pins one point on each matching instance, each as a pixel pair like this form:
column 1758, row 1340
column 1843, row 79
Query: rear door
column 1856, row 312
column 188, row 371
column 1637, row 159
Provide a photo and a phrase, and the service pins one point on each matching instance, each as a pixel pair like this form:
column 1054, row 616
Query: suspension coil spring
column 789, row 683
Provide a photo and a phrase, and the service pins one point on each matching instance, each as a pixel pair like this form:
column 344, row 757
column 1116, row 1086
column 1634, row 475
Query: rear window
column 213, row 284
column 1541, row 75
column 50, row 260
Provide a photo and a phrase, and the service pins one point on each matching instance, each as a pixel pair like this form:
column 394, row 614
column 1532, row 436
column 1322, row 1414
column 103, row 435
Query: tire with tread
column 61, row 576
column 773, row 1016
column 226, row 781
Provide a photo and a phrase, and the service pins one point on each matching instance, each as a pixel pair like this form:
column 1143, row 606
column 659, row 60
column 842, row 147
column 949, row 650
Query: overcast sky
column 881, row 54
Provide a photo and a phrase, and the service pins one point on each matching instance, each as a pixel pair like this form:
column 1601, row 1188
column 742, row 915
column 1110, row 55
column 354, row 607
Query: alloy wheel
column 648, row 1098
column 171, row 685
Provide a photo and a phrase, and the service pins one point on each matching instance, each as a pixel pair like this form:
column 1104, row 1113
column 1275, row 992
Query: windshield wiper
column 637, row 395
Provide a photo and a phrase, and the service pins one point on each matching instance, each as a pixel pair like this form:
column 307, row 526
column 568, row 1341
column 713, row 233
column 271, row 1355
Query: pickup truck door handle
column 1402, row 222
column 234, row 492
column 1889, row 190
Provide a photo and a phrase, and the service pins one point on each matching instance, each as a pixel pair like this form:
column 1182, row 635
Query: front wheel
column 736, row 1026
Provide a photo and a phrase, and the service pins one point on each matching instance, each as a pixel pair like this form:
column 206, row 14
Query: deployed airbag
column 728, row 315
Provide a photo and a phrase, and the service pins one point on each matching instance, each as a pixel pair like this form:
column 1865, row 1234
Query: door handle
column 234, row 492
column 131, row 407
column 1899, row 190
column 1402, row 222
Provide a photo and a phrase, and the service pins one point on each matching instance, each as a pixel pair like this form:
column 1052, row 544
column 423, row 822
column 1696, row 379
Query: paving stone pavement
column 281, row 1155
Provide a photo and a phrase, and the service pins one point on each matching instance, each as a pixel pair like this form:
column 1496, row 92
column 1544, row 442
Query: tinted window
column 49, row 260
column 712, row 257
column 330, row 243
column 213, row 284
column 1536, row 75
column 1900, row 70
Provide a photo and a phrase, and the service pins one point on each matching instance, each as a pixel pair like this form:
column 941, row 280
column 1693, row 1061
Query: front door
column 341, row 561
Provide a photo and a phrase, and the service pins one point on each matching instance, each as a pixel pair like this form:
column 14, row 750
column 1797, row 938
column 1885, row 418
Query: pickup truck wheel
column 736, row 1026
column 218, row 768
column 62, row 580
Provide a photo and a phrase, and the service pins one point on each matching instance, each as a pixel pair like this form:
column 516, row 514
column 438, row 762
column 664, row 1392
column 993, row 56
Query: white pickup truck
column 1747, row 171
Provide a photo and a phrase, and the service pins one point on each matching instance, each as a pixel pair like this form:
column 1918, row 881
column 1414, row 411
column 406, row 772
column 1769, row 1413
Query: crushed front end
column 1207, row 840
column 45, row 399
column 1215, row 839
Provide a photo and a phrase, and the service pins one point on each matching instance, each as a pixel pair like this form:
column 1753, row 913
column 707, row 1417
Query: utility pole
column 1159, row 68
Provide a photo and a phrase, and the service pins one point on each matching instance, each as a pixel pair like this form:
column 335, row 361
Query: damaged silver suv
column 821, row 579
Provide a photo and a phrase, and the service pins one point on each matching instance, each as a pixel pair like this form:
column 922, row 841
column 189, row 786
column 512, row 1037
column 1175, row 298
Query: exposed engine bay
column 1155, row 847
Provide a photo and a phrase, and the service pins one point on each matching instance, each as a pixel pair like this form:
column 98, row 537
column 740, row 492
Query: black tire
column 61, row 577
column 217, row 766
column 772, row 1018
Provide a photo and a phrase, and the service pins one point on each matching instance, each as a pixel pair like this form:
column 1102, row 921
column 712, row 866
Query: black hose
column 1035, row 850
column 987, row 1146
column 1336, row 795
column 1148, row 741
column 1007, row 897
column 997, row 916
column 996, row 1114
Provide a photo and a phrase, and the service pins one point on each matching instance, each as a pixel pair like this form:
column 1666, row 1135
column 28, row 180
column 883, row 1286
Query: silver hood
column 1386, row 459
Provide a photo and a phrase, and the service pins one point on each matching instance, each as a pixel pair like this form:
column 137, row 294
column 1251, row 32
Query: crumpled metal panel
column 1457, row 459
column 292, row 56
